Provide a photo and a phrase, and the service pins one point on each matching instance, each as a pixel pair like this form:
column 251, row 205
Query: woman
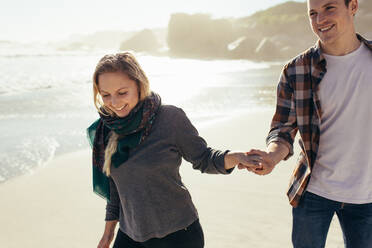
column 138, row 145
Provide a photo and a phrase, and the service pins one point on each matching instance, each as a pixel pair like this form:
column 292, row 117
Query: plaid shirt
column 298, row 109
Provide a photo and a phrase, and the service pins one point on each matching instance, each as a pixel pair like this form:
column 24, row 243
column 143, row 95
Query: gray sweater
column 147, row 193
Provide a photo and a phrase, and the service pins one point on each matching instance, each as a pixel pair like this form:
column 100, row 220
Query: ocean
column 46, row 100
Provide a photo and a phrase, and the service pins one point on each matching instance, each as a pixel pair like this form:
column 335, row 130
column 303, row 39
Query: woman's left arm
column 195, row 150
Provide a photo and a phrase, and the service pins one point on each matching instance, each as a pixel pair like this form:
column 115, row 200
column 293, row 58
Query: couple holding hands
column 323, row 94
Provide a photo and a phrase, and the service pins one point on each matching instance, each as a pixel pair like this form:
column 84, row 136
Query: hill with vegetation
column 277, row 33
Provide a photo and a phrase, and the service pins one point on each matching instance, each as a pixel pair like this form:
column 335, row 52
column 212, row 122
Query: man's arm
column 283, row 128
column 277, row 151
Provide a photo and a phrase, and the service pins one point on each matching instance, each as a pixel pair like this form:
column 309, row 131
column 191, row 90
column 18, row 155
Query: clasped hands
column 256, row 161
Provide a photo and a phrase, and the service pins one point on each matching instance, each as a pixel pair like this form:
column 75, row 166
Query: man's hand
column 276, row 152
column 265, row 164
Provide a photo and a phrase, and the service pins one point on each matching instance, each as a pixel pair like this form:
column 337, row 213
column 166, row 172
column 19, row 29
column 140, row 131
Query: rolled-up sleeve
column 284, row 125
column 113, row 206
column 194, row 148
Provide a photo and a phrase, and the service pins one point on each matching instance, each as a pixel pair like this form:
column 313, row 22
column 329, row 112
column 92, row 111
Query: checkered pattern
column 298, row 109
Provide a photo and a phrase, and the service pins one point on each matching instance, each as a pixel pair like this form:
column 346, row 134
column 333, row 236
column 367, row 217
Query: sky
column 51, row 20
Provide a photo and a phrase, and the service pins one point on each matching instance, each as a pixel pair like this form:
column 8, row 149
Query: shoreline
column 56, row 205
column 199, row 123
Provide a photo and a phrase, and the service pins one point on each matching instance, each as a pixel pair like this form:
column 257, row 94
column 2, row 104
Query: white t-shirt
column 343, row 168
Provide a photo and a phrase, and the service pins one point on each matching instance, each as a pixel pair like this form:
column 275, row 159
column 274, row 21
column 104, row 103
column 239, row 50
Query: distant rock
column 143, row 41
column 74, row 46
column 277, row 33
column 257, row 37
column 199, row 36
column 5, row 42
column 101, row 40
column 243, row 48
column 267, row 49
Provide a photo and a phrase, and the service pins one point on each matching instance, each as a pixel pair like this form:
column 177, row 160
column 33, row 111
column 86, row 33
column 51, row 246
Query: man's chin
column 326, row 41
column 330, row 37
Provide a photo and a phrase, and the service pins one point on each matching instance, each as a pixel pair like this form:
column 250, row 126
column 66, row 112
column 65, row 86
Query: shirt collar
column 318, row 54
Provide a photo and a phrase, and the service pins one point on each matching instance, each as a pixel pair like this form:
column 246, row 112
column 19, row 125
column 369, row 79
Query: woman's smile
column 119, row 93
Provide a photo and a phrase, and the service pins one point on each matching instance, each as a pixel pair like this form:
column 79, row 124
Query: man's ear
column 353, row 5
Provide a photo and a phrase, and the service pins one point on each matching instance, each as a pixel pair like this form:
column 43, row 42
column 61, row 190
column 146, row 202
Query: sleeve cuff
column 112, row 212
column 111, row 217
column 221, row 164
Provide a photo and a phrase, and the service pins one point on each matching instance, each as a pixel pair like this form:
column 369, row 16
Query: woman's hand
column 108, row 234
column 243, row 160
column 106, row 240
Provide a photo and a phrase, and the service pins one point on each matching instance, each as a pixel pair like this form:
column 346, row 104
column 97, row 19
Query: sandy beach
column 55, row 206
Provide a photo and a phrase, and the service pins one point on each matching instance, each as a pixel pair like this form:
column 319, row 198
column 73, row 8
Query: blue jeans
column 312, row 218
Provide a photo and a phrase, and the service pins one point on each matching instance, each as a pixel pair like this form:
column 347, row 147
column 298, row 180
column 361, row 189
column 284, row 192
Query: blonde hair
column 120, row 62
column 110, row 150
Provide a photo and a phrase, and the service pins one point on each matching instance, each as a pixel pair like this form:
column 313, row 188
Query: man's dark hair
column 347, row 3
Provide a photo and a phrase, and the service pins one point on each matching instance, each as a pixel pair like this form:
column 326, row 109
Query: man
column 325, row 94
